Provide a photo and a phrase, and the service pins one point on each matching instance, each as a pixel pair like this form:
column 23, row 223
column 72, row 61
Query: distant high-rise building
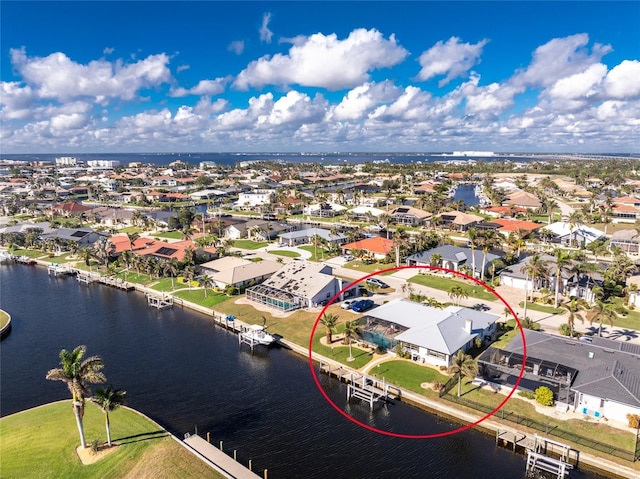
column 66, row 161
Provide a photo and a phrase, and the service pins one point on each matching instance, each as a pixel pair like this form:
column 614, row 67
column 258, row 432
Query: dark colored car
column 362, row 305
column 377, row 282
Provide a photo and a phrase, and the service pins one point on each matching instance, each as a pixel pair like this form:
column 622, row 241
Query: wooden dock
column 159, row 302
column 361, row 386
column 538, row 449
column 59, row 270
column 219, row 460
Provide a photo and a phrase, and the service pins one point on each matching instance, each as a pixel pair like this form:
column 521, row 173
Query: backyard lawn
column 175, row 234
column 409, row 375
column 318, row 254
column 198, row 296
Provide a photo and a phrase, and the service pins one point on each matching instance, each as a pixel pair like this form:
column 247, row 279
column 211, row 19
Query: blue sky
column 319, row 76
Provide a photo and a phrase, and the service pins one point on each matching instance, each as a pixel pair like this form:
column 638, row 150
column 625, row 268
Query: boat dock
column 219, row 460
column 60, row 270
column 159, row 302
column 361, row 386
column 538, row 449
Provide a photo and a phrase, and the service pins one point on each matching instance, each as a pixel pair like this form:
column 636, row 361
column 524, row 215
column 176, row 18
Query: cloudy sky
column 319, row 76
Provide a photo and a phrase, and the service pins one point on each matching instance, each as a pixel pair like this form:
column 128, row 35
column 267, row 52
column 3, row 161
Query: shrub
column 527, row 394
column 634, row 420
column 544, row 396
column 478, row 342
column 565, row 329
column 443, row 368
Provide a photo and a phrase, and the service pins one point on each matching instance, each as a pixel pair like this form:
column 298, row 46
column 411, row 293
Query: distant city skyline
column 155, row 76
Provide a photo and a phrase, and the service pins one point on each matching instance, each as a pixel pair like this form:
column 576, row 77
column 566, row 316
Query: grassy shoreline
column 42, row 441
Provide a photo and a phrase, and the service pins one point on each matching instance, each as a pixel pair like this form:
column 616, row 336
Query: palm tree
column 463, row 365
column 456, row 293
column 489, row 240
column 109, row 399
column 400, row 242
column 576, row 220
column 351, row 331
column 574, row 307
column 535, row 269
column 329, row 321
column 562, row 262
column 77, row 373
column 206, row 282
column 473, row 242
column 132, row 237
column 602, row 311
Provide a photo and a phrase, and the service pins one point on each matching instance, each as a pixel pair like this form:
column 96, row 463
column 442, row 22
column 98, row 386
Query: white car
column 348, row 303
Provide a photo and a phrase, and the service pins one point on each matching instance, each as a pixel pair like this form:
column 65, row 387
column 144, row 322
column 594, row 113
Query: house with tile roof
column 522, row 199
column 70, row 208
column 505, row 226
column 238, row 272
column 459, row 221
column 377, row 247
column 410, row 216
column 428, row 334
column 598, row 378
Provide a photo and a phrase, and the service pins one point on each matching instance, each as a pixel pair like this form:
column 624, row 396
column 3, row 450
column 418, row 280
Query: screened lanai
column 274, row 298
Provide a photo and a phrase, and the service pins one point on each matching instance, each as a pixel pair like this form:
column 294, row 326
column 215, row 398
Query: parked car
column 347, row 304
column 362, row 305
column 377, row 282
column 480, row 307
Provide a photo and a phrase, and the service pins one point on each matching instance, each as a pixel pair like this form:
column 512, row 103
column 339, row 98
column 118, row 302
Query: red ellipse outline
column 416, row 436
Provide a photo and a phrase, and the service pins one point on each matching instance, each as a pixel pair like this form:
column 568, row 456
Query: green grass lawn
column 543, row 308
column 166, row 284
column 175, row 234
column 284, row 252
column 507, row 336
column 30, row 253
column 358, row 265
column 445, row 284
column 318, row 254
column 42, row 442
column 197, row 296
column 131, row 229
column 340, row 352
column 249, row 244
column 409, row 375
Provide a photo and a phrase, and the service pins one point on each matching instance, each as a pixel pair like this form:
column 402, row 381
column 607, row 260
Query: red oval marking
column 417, row 436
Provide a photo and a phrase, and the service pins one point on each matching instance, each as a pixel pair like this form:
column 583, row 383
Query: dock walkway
column 220, row 461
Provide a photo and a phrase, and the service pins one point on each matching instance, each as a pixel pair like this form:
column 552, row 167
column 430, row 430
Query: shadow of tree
column 145, row 436
column 628, row 334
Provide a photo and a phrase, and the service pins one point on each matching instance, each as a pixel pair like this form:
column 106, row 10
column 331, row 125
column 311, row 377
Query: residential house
column 365, row 213
column 176, row 250
column 298, row 284
column 70, row 209
column 255, row 199
column 627, row 240
column 257, row 230
column 597, row 378
column 410, row 216
column 80, row 236
column 505, row 226
column 573, row 235
column 376, row 247
column 455, row 258
column 305, row 236
column 459, row 221
column 324, row 210
column 428, row 334
column 522, row 199
column 238, row 272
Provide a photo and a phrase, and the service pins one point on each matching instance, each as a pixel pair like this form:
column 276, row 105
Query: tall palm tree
column 456, row 293
column 77, row 373
column 489, row 240
column 602, row 312
column 575, row 308
column 463, row 365
column 576, row 220
column 535, row 269
column 351, row 331
column 400, row 242
column 473, row 242
column 329, row 321
column 109, row 399
column 563, row 261
column 206, row 282
column 132, row 237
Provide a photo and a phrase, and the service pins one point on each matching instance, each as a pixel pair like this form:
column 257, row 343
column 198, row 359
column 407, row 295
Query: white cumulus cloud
column 236, row 47
column 450, row 58
column 204, row 87
column 359, row 101
column 325, row 61
column 623, row 81
column 57, row 76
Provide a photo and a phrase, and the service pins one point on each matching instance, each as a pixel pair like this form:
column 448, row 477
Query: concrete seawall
column 7, row 327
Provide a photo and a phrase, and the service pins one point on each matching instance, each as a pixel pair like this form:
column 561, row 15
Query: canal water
column 185, row 373
column 466, row 193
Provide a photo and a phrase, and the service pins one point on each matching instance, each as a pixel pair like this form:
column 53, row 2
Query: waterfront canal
column 184, row 372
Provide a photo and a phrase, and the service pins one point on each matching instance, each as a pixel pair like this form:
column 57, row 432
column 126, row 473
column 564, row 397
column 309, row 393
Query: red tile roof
column 515, row 225
column 71, row 207
column 377, row 245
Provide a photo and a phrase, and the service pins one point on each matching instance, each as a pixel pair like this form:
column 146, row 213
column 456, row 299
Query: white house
column 428, row 334
column 255, row 198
